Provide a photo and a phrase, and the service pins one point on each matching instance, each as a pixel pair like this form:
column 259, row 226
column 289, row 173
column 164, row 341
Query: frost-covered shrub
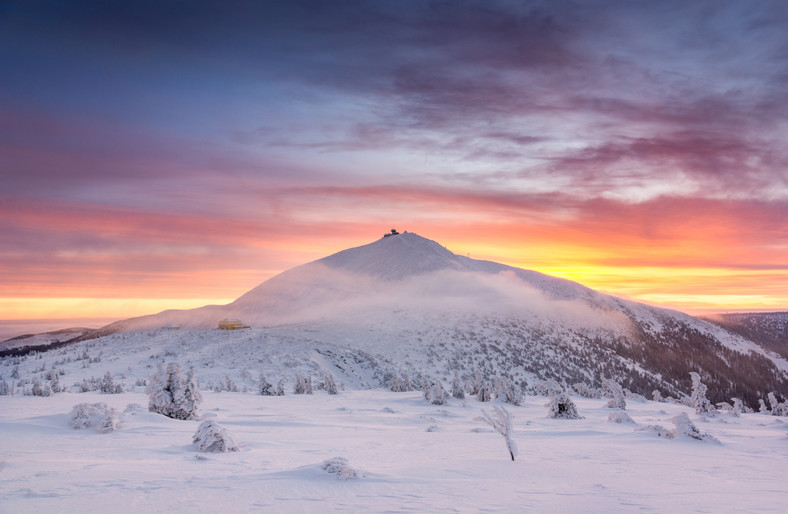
column 473, row 384
column 613, row 388
column 584, row 390
column 280, row 387
column 508, row 392
column 54, row 382
column 212, row 438
column 685, row 428
column 302, row 384
column 457, row 389
column 657, row 429
column 484, row 393
column 620, row 417
column 560, row 406
column 329, row 384
column 501, row 422
column 656, row 396
column 698, row 399
column 41, row 388
column 738, row 407
column 172, row 395
column 778, row 409
column 340, row 467
column 6, row 389
column 435, row 393
column 97, row 415
column 107, row 385
column 762, row 408
column 266, row 388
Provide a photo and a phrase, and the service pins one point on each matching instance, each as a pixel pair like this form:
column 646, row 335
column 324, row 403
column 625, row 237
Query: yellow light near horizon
column 119, row 308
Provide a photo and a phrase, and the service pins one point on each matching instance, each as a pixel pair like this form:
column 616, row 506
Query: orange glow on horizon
column 682, row 260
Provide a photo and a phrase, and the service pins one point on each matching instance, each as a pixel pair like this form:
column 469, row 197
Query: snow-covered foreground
column 409, row 456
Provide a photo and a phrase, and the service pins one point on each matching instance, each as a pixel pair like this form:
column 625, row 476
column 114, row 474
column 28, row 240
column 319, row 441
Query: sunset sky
column 160, row 154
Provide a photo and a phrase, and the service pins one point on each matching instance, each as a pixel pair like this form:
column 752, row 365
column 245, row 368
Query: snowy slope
column 408, row 456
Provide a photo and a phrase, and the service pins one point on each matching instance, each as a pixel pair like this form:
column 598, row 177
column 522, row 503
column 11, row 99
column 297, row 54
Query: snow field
column 587, row 465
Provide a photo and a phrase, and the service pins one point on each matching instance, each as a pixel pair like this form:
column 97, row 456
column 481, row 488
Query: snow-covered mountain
column 405, row 304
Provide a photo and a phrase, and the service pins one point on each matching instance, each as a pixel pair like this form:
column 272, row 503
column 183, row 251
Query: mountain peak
column 395, row 256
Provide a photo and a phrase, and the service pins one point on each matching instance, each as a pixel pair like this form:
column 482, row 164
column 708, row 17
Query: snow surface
column 591, row 465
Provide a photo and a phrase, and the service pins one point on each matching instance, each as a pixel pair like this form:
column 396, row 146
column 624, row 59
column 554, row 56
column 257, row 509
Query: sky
column 172, row 154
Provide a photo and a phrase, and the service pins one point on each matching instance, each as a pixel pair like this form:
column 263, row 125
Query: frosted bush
column 107, row 385
column 685, row 428
column 172, row 395
column 212, row 438
column 778, row 409
column 340, row 467
column 457, row 389
column 560, row 406
column 618, row 400
column 484, row 393
column 266, row 388
column 41, row 388
column 620, row 417
column 97, row 415
column 330, row 384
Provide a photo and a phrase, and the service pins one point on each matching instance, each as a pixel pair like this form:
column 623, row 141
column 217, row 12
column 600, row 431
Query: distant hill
column 768, row 329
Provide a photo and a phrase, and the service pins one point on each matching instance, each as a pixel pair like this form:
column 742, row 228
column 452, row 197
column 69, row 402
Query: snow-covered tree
column 5, row 388
column 192, row 397
column 434, row 392
column 656, row 396
column 738, row 407
column 473, row 384
column 210, row 437
column 618, row 401
column 397, row 383
column 762, row 408
column 171, row 395
column 698, row 398
column 280, row 387
column 54, row 383
column 266, row 388
column 329, row 383
column 457, row 389
column 561, row 406
column 510, row 392
column 107, row 385
column 778, row 409
column 484, row 392
column 299, row 384
column 501, row 422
